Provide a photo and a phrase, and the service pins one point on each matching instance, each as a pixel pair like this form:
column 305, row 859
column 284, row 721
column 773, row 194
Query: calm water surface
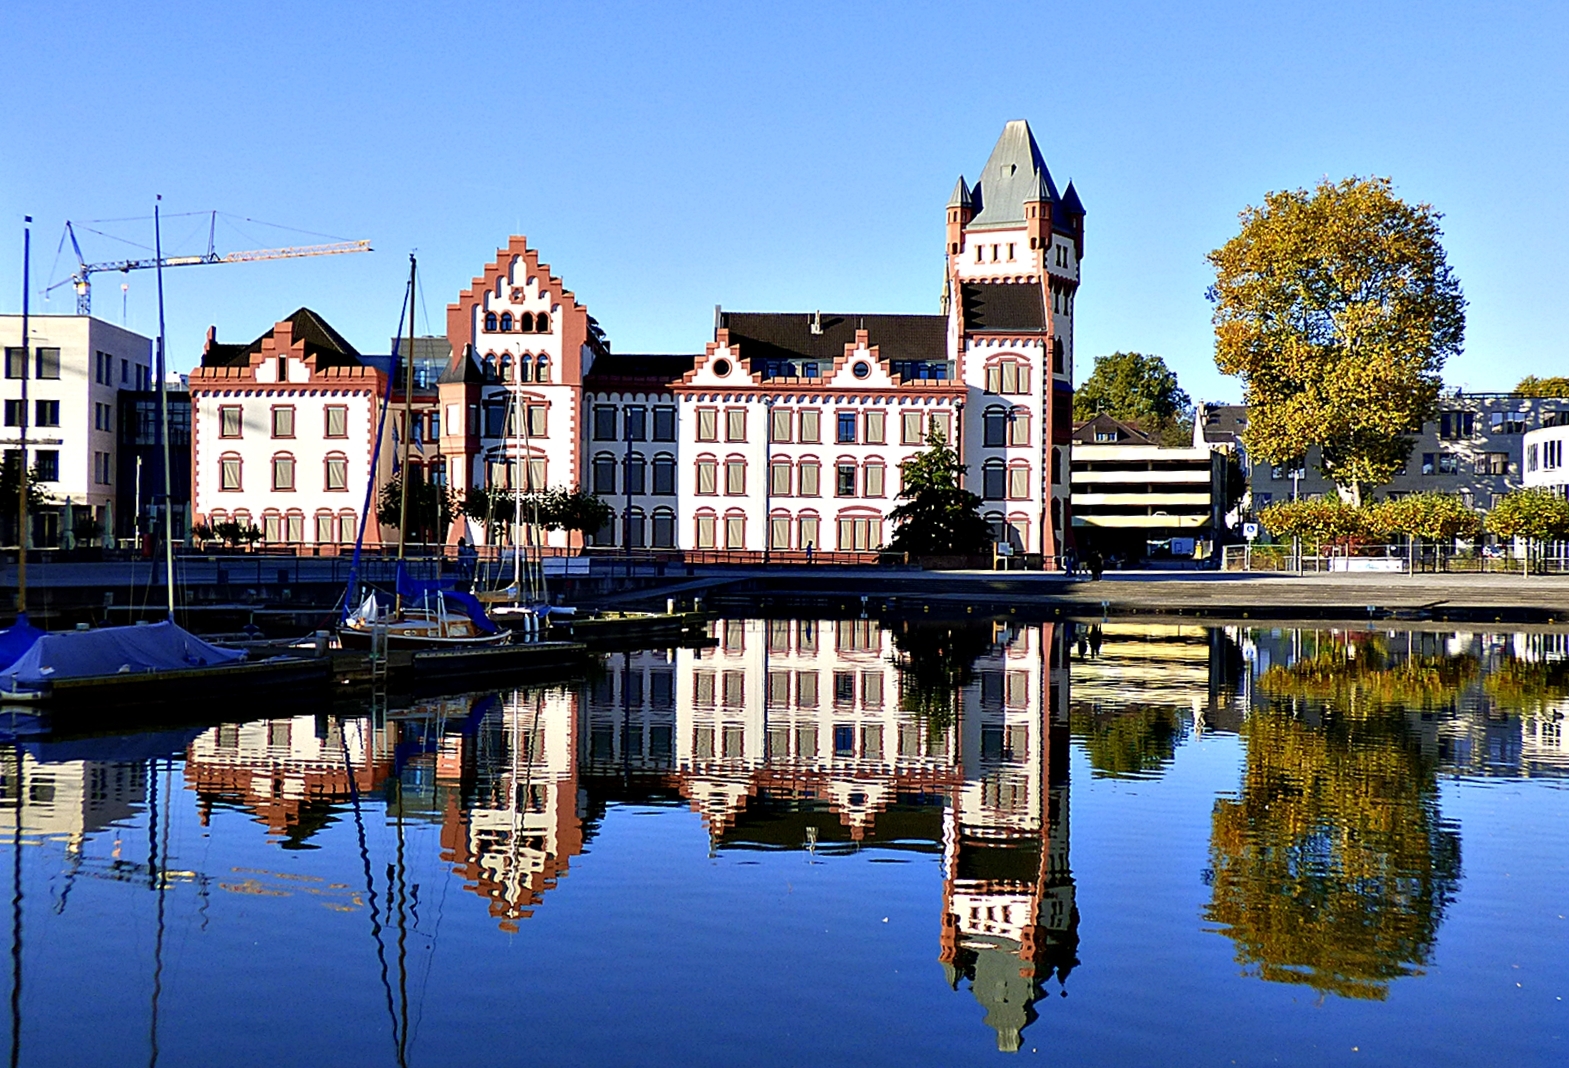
column 829, row 842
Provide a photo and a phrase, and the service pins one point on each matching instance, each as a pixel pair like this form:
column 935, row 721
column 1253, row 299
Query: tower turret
column 961, row 208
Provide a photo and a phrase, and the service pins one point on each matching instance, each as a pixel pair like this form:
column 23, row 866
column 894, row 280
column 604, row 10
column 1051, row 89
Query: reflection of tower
column 1010, row 919
column 514, row 841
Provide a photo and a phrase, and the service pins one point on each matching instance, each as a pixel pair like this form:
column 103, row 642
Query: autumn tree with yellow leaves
column 1337, row 309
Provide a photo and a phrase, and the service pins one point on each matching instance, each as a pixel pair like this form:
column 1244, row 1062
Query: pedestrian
column 1070, row 562
column 467, row 557
column 1097, row 565
column 808, row 552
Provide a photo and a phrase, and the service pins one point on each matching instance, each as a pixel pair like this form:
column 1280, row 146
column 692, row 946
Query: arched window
column 735, row 529
column 506, row 322
column 526, row 323
column 635, row 537
column 999, row 526
column 873, row 478
column 348, row 526
column 664, row 475
column 1019, row 426
column 780, row 476
column 1010, row 374
column 779, row 529
column 808, row 477
column 1018, row 481
column 806, row 525
column 664, row 528
column 541, row 323
column 704, row 525
column 242, row 516
column 994, row 427
column 272, row 526
column 859, row 531
column 504, row 367
column 634, row 475
column 735, row 476
column 1056, row 513
column 525, row 368
column 1018, row 531
column 1056, row 467
column 542, row 368
column 218, row 515
column 707, row 470
column 994, row 481
column 335, row 473
column 605, row 473
column 490, row 321
column 326, row 528
column 488, row 366
column 283, row 472
column 230, row 469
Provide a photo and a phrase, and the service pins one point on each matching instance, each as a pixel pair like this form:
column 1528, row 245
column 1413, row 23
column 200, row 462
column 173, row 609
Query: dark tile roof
column 789, row 336
column 329, row 347
column 1016, row 306
column 1127, row 434
column 649, row 367
column 464, row 368
column 1224, row 422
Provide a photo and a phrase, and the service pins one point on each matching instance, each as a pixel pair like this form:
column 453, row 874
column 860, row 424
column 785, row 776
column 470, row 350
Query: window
column 15, row 362
column 1057, row 356
column 779, row 478
column 1448, row 463
column 48, row 362
column 604, row 422
column 1010, row 252
column 48, row 464
column 1504, row 422
column 295, row 527
column 844, row 697
column 102, row 468
column 872, row 480
column 272, row 526
column 46, row 413
column 1019, row 427
column 229, row 472
column 1008, row 376
column 780, row 424
column 506, row 322
column 875, row 432
column 525, row 368
column 735, row 477
column 994, row 428
column 1452, row 425
column 1530, row 457
column 230, row 421
column 534, row 424
column 283, row 472
column 664, row 528
column 993, row 480
column 807, row 476
column 859, row 535
column 844, row 480
column 337, row 421
column 735, row 424
column 1492, row 463
column 542, row 323
column 542, row 367
column 636, row 421
column 14, row 410
column 1552, row 455
column 103, row 368
column 664, row 423
column 635, row 529
column 779, row 531
column 604, row 473
column 735, row 532
column 707, row 424
column 490, row 321
column 910, row 429
column 326, row 528
column 635, row 474
column 337, row 473
column 810, row 427
column 941, row 423
column 283, row 422
column 1056, row 466
column 664, row 475
column 806, row 527
column 707, row 476
column 1018, row 483
column 705, row 530
column 846, row 431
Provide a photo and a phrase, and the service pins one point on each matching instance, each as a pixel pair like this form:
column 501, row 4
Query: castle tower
column 1013, row 252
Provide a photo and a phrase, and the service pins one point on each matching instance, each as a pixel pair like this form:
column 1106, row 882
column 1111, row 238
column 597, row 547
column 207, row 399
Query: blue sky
column 666, row 158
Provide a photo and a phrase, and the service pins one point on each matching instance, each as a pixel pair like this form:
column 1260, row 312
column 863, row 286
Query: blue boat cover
column 411, row 588
column 17, row 639
column 75, row 654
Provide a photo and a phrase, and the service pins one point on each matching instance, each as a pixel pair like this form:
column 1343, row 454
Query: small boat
column 442, row 621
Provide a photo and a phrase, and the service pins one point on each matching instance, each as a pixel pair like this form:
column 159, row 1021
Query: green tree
column 1531, row 386
column 10, row 491
column 493, row 509
column 1326, row 521
column 1137, row 389
column 936, row 661
column 1337, row 309
column 432, row 507
column 563, row 509
column 1535, row 515
column 1429, row 516
column 938, row 517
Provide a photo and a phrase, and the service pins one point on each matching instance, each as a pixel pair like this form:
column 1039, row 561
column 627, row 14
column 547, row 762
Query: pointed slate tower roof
column 961, row 195
column 1015, row 173
column 1070, row 200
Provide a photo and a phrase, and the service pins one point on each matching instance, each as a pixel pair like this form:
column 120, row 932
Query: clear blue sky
column 668, row 157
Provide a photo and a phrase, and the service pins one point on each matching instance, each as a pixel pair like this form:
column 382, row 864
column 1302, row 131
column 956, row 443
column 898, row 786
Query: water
column 830, row 842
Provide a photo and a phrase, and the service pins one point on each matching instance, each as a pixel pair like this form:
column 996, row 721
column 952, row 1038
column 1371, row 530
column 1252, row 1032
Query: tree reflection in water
column 1333, row 868
column 1128, row 743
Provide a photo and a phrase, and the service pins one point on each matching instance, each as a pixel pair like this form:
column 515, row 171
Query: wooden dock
column 443, row 670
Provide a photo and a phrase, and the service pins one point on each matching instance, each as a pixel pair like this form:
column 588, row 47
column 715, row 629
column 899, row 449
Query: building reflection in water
column 832, row 734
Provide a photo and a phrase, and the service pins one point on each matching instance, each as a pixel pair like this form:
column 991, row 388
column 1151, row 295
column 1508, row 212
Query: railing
column 1401, row 558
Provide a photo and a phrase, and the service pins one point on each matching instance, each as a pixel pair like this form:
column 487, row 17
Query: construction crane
column 82, row 280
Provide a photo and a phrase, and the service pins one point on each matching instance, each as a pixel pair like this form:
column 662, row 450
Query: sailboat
column 423, row 615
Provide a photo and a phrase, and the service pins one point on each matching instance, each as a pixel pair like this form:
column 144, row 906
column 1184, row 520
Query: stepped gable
column 790, row 335
column 1003, row 306
column 310, row 336
column 1014, row 175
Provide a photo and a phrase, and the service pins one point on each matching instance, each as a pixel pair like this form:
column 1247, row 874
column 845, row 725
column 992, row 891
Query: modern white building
column 1544, row 450
column 77, row 369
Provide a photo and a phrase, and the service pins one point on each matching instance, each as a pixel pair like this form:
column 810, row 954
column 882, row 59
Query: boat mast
column 163, row 421
column 408, row 428
column 21, row 478
column 519, row 473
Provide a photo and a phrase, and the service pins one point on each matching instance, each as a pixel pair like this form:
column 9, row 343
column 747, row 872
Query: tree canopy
column 1531, row 386
column 432, row 506
column 1337, row 308
column 1533, row 514
column 938, row 516
column 1138, row 389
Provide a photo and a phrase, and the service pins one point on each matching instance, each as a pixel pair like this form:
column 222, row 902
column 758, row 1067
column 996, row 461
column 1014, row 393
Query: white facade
column 1545, row 451
column 72, row 414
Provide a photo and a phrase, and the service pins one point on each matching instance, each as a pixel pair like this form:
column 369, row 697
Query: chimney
column 815, row 322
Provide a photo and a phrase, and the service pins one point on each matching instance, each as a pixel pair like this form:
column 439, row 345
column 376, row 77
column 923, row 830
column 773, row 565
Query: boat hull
column 359, row 639
column 235, row 684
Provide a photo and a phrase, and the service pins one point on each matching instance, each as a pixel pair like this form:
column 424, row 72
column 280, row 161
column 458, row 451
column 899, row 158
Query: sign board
column 1250, row 531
